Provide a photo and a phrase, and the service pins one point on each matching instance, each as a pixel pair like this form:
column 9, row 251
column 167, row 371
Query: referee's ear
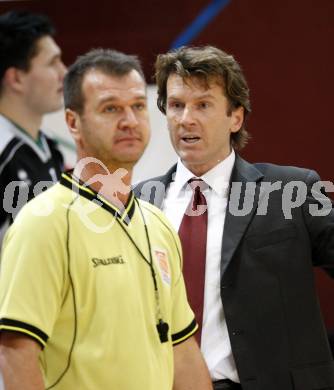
column 73, row 123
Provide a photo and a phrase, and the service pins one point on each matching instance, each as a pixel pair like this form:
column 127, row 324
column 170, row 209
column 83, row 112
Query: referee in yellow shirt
column 91, row 290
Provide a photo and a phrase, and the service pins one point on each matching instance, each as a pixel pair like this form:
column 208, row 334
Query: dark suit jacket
column 267, row 285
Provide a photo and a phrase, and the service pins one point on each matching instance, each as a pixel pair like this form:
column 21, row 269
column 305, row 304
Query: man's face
column 43, row 82
column 114, row 125
column 199, row 124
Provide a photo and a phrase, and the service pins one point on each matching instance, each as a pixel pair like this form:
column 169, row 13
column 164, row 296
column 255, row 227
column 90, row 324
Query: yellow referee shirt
column 75, row 276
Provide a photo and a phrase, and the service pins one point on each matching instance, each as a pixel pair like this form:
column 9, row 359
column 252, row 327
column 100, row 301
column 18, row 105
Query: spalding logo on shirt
column 108, row 261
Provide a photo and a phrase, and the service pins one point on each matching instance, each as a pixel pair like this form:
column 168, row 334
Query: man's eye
column 110, row 109
column 175, row 105
column 140, row 106
column 203, row 105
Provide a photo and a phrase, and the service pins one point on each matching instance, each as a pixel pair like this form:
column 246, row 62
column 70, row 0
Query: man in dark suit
column 267, row 225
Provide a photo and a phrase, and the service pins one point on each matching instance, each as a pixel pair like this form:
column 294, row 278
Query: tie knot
column 198, row 199
column 197, row 184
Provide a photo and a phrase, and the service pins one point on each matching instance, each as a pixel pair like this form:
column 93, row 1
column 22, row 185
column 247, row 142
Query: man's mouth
column 127, row 139
column 190, row 139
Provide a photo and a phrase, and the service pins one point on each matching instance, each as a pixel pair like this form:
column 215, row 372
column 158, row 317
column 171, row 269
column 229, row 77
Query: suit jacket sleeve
column 319, row 218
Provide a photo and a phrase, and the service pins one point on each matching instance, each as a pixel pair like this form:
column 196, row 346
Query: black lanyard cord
column 150, row 261
column 149, row 248
column 162, row 326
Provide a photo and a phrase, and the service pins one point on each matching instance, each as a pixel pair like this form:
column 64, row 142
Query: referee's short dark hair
column 111, row 62
column 19, row 33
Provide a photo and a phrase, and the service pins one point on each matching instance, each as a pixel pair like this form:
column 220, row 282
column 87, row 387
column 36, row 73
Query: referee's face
column 114, row 124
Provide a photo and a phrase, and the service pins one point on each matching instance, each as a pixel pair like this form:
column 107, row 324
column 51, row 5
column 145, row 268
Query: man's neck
column 114, row 185
column 200, row 169
column 21, row 116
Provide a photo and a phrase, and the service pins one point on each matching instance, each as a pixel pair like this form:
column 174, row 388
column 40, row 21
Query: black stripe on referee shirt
column 179, row 337
column 21, row 327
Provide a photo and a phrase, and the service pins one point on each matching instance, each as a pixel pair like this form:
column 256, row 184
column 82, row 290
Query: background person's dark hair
column 108, row 61
column 207, row 64
column 19, row 33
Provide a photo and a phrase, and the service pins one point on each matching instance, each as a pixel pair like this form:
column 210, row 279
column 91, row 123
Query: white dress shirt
column 215, row 341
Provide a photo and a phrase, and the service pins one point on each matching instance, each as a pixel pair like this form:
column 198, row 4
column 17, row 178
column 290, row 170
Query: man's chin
column 190, row 158
column 131, row 156
column 129, row 161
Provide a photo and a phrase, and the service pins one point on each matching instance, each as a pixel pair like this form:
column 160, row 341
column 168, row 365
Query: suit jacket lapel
column 242, row 204
column 154, row 190
column 246, row 178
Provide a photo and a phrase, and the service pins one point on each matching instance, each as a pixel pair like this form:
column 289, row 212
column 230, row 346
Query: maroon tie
column 193, row 232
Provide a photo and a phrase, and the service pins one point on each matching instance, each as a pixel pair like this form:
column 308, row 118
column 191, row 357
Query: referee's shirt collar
column 79, row 187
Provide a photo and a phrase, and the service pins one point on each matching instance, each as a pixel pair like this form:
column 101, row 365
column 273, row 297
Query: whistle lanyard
column 162, row 327
column 148, row 261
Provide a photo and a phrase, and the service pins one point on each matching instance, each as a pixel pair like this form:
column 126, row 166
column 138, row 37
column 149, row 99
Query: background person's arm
column 190, row 370
column 19, row 362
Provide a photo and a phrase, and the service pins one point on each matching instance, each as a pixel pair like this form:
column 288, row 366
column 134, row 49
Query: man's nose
column 62, row 70
column 129, row 118
column 187, row 116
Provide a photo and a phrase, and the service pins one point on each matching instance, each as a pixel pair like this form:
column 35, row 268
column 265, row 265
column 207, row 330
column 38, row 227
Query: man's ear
column 73, row 123
column 14, row 79
column 237, row 119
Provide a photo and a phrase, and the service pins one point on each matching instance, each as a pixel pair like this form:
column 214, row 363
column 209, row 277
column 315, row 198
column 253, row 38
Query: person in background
column 100, row 302
column 31, row 85
column 250, row 232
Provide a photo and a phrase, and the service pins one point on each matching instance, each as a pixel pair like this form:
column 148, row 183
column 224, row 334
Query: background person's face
column 114, row 125
column 199, row 124
column 43, row 82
